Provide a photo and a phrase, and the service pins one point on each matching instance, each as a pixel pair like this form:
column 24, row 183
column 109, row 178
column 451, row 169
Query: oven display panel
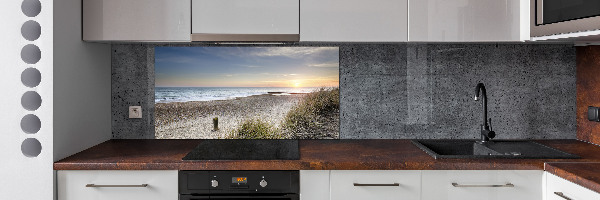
column 239, row 180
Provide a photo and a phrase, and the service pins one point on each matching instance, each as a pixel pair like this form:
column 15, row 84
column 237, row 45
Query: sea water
column 184, row 94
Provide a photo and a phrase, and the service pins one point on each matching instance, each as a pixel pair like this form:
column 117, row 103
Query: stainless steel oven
column 235, row 185
column 552, row 17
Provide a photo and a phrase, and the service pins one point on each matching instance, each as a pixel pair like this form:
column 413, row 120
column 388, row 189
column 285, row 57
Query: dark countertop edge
column 296, row 165
column 155, row 167
column 579, row 179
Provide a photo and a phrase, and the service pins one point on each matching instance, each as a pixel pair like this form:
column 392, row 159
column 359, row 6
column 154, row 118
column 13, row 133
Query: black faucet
column 486, row 130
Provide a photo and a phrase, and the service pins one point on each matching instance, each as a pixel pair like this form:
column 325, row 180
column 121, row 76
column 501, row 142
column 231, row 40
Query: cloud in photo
column 247, row 66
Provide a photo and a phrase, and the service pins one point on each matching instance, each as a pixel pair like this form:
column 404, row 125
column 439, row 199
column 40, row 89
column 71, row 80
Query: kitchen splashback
column 394, row 91
column 246, row 92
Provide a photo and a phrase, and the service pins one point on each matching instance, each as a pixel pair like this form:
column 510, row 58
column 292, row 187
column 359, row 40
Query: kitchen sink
column 523, row 149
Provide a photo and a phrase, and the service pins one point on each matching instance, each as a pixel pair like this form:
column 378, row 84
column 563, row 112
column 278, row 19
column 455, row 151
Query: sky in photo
column 246, row 66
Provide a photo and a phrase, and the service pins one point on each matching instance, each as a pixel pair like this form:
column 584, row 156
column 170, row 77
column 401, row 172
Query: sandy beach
column 193, row 120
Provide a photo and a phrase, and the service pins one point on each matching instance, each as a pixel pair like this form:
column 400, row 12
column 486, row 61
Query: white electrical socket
column 135, row 112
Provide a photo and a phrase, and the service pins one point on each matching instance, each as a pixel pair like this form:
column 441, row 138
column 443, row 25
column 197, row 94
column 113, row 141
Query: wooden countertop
column 332, row 155
column 314, row 155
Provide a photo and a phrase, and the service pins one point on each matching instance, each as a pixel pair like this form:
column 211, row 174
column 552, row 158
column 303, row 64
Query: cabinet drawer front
column 482, row 184
column 380, row 185
column 555, row 184
column 117, row 185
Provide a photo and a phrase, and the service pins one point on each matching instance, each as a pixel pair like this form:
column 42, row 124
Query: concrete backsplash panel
column 132, row 85
column 408, row 90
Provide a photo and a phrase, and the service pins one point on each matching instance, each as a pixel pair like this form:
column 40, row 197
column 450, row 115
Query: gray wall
column 409, row 90
column 82, row 115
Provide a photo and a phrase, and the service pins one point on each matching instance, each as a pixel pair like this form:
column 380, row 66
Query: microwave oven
column 558, row 17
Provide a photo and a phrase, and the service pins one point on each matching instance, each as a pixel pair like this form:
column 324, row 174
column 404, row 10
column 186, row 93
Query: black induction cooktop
column 245, row 150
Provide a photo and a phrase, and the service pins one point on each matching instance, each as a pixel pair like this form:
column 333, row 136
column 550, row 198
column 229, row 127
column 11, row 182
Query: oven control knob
column 214, row 183
column 263, row 183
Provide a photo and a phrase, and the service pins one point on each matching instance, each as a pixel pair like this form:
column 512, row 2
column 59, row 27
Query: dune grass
column 310, row 119
column 310, row 116
column 256, row 129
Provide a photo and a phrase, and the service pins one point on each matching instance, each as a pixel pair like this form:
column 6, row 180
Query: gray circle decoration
column 31, row 30
column 31, row 147
column 31, row 54
column 30, row 124
column 31, row 8
column 31, row 100
column 31, row 77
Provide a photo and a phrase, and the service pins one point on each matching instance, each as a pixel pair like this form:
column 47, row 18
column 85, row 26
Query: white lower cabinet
column 482, row 184
column 375, row 185
column 561, row 189
column 341, row 185
column 117, row 185
column 314, row 184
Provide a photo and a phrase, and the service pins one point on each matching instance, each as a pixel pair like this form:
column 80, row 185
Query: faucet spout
column 481, row 88
column 486, row 132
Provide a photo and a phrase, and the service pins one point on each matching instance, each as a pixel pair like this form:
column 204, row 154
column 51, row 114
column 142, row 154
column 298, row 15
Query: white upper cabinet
column 136, row 20
column 220, row 19
column 468, row 20
column 354, row 20
column 307, row 20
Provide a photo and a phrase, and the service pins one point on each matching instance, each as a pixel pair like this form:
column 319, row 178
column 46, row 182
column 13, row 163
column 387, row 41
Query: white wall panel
column 24, row 177
column 82, row 84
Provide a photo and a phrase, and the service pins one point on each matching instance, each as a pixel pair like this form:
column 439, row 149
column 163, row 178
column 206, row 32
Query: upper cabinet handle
column 361, row 184
column 94, row 185
column 505, row 185
column 560, row 194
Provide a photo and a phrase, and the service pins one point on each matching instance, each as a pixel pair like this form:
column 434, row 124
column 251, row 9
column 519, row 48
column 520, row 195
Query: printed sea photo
column 247, row 93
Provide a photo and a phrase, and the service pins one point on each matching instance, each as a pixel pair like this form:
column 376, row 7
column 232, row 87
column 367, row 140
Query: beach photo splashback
column 247, row 93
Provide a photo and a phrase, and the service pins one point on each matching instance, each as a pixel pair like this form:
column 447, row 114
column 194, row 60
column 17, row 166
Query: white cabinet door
column 314, row 184
column 354, row 20
column 561, row 189
column 136, row 20
column 482, row 184
column 117, row 185
column 468, row 20
column 245, row 16
column 375, row 185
